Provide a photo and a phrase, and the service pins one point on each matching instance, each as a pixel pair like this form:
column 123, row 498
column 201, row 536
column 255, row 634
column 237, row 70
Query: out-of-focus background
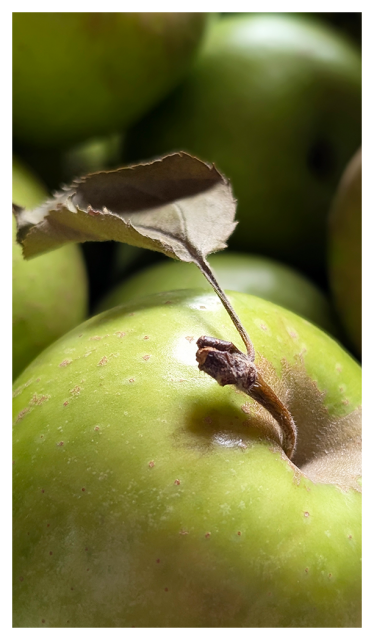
column 273, row 100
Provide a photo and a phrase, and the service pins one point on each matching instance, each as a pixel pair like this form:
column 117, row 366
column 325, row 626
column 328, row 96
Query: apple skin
column 257, row 275
column 77, row 75
column 146, row 495
column 50, row 292
column 345, row 251
column 275, row 102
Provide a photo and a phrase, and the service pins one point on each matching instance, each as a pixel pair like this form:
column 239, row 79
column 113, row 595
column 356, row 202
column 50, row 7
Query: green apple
column 257, row 275
column 50, row 292
column 77, row 75
column 344, row 250
column 95, row 154
column 146, row 495
column 275, row 102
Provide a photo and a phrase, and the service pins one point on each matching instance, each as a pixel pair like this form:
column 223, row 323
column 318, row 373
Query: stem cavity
column 227, row 365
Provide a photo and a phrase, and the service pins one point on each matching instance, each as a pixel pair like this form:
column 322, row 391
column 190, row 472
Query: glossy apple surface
column 275, row 102
column 345, row 251
column 146, row 495
column 50, row 292
column 77, row 75
column 252, row 274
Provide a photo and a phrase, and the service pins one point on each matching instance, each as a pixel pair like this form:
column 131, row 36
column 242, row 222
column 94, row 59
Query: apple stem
column 227, row 365
column 265, row 396
column 206, row 270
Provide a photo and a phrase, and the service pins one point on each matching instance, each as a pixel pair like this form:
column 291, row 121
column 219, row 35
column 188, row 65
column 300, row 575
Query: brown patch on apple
column 328, row 448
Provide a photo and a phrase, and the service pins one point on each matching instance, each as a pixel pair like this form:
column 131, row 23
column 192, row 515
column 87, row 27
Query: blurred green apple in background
column 256, row 275
column 146, row 495
column 274, row 100
column 77, row 75
column 50, row 292
column 345, row 250
column 94, row 154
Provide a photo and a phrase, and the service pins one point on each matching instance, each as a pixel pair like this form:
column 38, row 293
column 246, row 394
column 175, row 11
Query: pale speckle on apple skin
column 23, row 386
column 38, row 400
column 65, row 363
column 342, row 388
column 261, row 324
column 292, row 333
column 76, row 390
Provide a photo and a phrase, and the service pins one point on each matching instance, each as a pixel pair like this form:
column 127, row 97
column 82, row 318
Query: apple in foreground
column 274, row 100
column 147, row 495
column 345, row 250
column 50, row 292
column 257, row 275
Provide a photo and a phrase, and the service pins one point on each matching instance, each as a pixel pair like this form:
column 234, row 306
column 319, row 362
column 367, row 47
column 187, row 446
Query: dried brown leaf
column 177, row 205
